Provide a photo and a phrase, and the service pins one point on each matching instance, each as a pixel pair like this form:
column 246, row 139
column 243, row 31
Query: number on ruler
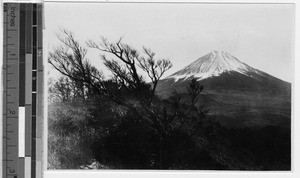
column 12, row 111
column 12, row 53
column 12, row 171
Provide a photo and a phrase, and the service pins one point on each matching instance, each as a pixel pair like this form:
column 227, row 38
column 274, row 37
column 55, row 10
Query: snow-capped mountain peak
column 214, row 64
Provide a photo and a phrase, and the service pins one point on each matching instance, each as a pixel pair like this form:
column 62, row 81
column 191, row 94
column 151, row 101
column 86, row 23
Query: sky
column 260, row 35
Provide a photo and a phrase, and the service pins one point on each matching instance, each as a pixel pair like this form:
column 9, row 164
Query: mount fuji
column 214, row 64
column 219, row 70
column 236, row 93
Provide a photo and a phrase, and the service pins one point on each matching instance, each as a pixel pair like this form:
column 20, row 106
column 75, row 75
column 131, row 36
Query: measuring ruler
column 22, row 90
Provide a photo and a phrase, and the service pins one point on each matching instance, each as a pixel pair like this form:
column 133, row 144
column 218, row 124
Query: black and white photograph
column 169, row 86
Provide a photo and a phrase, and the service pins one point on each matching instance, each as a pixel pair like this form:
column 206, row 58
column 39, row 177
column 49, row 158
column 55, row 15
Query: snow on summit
column 214, row 64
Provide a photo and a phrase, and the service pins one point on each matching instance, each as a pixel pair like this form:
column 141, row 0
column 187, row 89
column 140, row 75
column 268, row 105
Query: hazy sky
column 260, row 35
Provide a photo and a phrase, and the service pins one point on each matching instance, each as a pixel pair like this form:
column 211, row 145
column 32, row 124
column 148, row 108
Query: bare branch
column 69, row 59
column 154, row 69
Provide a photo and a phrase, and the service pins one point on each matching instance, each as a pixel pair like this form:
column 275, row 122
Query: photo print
column 169, row 86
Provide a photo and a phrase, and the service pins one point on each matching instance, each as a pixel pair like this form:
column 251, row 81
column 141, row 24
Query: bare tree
column 164, row 120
